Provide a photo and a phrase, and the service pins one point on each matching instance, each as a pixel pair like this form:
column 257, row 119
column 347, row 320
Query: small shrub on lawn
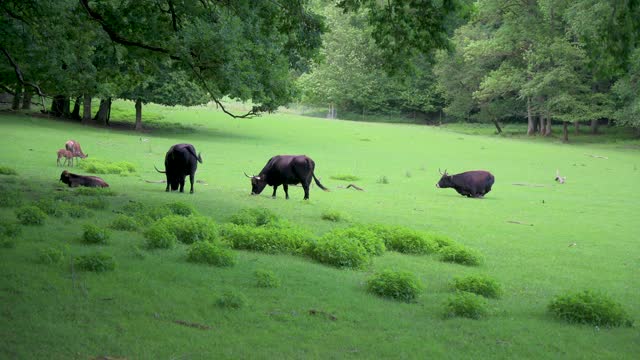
column 96, row 166
column 232, row 299
column 159, row 237
column 190, row 229
column 441, row 240
column 180, row 208
column 267, row 279
column 332, row 215
column 383, row 180
column 7, row 243
column 478, row 284
column 404, row 240
column 589, row 307
column 133, row 208
column 212, row 254
column 93, row 191
column 345, row 177
column 50, row 255
column 254, row 217
column 370, row 240
column 124, row 223
column 466, row 304
column 96, row 203
column 460, row 255
column 398, row 285
column 51, row 207
column 268, row 239
column 78, row 212
column 157, row 212
column 340, row 252
column 97, row 262
column 10, row 197
column 30, row 215
column 94, row 234
column 9, row 229
column 6, row 170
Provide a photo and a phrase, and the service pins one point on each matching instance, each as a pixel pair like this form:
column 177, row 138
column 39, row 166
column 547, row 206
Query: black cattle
column 470, row 184
column 75, row 180
column 181, row 160
column 285, row 170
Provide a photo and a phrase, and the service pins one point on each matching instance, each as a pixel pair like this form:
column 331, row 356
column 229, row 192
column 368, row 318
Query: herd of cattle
column 182, row 160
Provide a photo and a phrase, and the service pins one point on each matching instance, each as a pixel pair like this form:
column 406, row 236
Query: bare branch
column 19, row 72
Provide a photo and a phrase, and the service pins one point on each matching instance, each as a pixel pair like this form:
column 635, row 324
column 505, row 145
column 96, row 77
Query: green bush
column 232, row 299
column 9, row 229
column 51, row 207
column 180, row 208
column 383, row 180
column 467, row 305
column 93, row 191
column 124, row 223
column 133, row 208
column 345, row 177
column 404, row 240
column 6, row 170
column 370, row 240
column 332, row 215
column 268, row 239
column 78, row 212
column 441, row 240
column 94, row 234
column 398, row 285
column 254, row 217
column 460, row 255
column 7, row 243
column 266, row 279
column 159, row 237
column 209, row 253
column 478, row 284
column 30, row 215
column 340, row 252
column 157, row 212
column 190, row 229
column 96, row 166
column 10, row 197
column 50, row 255
column 97, row 262
column 96, row 203
column 590, row 307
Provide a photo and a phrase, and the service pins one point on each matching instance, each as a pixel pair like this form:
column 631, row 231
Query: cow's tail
column 318, row 182
column 193, row 152
column 163, row 172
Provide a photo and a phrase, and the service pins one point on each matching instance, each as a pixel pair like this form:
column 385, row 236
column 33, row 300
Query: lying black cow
column 181, row 160
column 285, row 170
column 74, row 180
column 471, row 183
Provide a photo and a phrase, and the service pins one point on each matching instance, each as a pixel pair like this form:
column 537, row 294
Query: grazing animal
column 67, row 155
column 470, row 184
column 285, row 170
column 560, row 179
column 74, row 180
column 181, row 160
column 74, row 147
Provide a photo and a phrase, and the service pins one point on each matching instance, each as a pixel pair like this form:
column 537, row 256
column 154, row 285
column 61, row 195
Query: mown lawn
column 539, row 240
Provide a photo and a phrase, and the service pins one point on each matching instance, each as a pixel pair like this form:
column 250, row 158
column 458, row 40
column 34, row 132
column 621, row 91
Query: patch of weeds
column 96, row 203
column 6, row 170
column 190, row 229
column 133, row 208
column 213, row 254
column 405, row 240
column 157, row 212
column 266, row 279
column 30, row 215
column 97, row 262
column 232, row 299
column 78, row 212
column 340, row 252
column 180, row 208
column 124, row 223
column 441, row 240
column 467, row 305
column 345, row 177
column 51, row 256
column 478, row 284
column 407, row 174
column 267, row 239
column 255, row 217
column 10, row 197
column 94, row 234
column 397, row 285
column 460, row 255
column 9, row 229
column 333, row 215
column 7, row 243
column 96, row 166
column 383, row 180
column 589, row 307
column 370, row 240
column 159, row 237
column 93, row 191
column 51, row 207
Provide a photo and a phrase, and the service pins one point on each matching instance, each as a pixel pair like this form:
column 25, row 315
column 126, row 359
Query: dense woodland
column 540, row 62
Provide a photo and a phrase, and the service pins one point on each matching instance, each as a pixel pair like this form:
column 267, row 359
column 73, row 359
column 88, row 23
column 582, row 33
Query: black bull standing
column 471, row 183
column 285, row 170
column 181, row 160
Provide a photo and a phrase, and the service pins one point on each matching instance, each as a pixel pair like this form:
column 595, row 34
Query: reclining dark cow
column 470, row 184
column 285, row 170
column 181, row 160
column 75, row 180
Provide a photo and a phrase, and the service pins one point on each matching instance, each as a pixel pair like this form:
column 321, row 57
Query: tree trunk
column 594, row 126
column 565, row 131
column 542, row 129
column 75, row 114
column 497, row 125
column 16, row 98
column 60, row 106
column 138, row 114
column 26, row 100
column 577, row 125
column 531, row 127
column 104, row 112
column 86, row 112
column 547, row 130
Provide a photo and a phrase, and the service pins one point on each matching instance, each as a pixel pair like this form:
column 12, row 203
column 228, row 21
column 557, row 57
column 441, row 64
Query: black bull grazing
column 471, row 183
column 286, row 170
column 74, row 180
column 181, row 160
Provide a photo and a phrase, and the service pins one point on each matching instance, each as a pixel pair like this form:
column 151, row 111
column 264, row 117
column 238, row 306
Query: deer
column 67, row 155
column 74, row 147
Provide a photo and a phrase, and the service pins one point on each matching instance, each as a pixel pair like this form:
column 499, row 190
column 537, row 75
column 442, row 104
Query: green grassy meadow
column 538, row 240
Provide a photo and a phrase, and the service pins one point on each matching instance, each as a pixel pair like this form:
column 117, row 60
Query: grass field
column 538, row 241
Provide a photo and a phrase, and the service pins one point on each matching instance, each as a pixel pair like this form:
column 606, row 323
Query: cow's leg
column 168, row 183
column 306, row 191
column 286, row 190
column 275, row 187
column 191, row 176
column 182, row 178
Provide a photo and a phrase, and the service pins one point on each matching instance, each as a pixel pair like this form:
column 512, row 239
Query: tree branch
column 19, row 75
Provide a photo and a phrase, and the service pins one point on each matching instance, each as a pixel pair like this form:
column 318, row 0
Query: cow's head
column 258, row 183
column 64, row 177
column 445, row 180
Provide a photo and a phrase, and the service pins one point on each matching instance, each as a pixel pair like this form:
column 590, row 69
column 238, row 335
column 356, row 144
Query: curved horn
column 245, row 174
column 441, row 171
column 163, row 172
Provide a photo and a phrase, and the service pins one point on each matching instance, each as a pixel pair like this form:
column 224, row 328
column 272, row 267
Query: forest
column 539, row 62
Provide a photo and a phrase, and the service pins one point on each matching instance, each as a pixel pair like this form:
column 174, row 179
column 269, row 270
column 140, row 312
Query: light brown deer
column 67, row 155
column 74, row 147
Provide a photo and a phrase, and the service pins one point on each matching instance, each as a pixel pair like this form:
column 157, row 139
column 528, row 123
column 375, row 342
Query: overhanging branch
column 20, row 77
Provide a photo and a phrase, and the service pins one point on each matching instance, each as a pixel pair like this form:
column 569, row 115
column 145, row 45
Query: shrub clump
column 467, row 305
column 268, row 239
column 9, row 229
column 478, row 284
column 94, row 234
column 266, row 279
column 51, row 207
column 124, row 223
column 96, row 166
column 460, row 255
column 232, row 299
column 159, row 237
column 189, row 229
column 254, row 217
column 6, row 170
column 589, row 307
column 77, row 211
column 345, row 177
column 370, row 240
column 404, row 240
column 30, row 215
column 340, row 252
column 332, row 215
column 398, row 285
column 209, row 253
column 50, row 255
column 97, row 262
column 93, row 191
column 96, row 203
column 180, row 208
column 133, row 208
column 10, row 197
